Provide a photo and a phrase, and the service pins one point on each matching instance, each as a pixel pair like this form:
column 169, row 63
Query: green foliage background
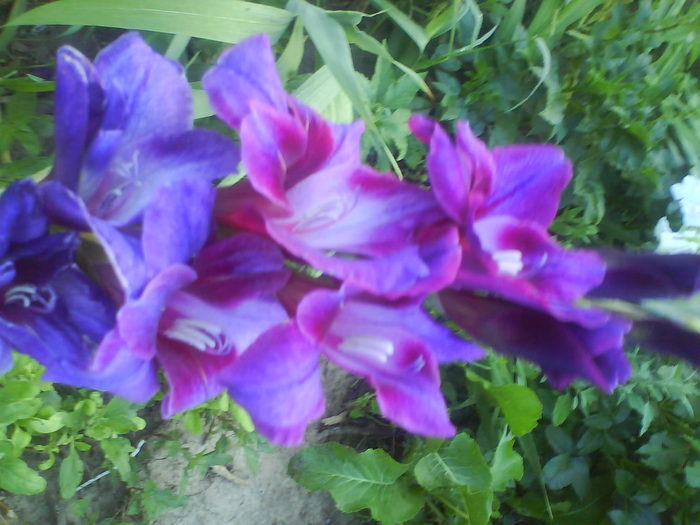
column 614, row 82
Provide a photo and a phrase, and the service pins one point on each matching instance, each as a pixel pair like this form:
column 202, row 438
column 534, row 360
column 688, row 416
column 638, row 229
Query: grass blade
column 227, row 21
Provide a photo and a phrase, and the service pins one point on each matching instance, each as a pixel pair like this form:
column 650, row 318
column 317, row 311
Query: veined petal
column 139, row 319
column 244, row 73
column 387, row 319
column 277, row 380
column 529, row 267
column 147, row 93
column 136, row 171
column 564, row 350
column 450, row 176
column 177, row 222
column 271, row 141
column 387, row 343
column 528, row 182
column 191, row 375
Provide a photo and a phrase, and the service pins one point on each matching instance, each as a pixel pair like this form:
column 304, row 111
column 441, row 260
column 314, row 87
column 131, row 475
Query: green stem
column 453, row 508
column 177, row 46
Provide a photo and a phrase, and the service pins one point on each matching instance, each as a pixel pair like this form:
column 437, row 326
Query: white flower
column 687, row 193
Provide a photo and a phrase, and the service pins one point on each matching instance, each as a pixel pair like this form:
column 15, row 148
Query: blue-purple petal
column 277, row 380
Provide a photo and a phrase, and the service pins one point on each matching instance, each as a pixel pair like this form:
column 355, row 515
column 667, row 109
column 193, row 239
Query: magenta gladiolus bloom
column 503, row 201
column 393, row 344
column 307, row 190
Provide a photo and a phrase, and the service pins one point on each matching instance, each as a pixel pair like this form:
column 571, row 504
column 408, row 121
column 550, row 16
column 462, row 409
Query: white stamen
column 369, row 346
column 200, row 334
column 29, row 296
column 510, row 262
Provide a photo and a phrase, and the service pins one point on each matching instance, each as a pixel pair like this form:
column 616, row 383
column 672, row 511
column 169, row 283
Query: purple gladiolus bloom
column 307, row 190
column 210, row 319
column 50, row 310
column 394, row 345
column 503, row 201
column 123, row 129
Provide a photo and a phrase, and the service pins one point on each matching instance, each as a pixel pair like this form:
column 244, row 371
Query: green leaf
column 18, row 478
column 371, row 480
column 290, row 59
column 193, row 422
column 413, row 30
column 460, row 463
column 520, row 405
column 479, row 505
column 70, row 474
column 560, row 441
column 692, row 475
column 506, row 465
column 321, row 92
column 562, row 409
column 117, row 451
column 46, row 426
column 221, row 20
column 564, row 470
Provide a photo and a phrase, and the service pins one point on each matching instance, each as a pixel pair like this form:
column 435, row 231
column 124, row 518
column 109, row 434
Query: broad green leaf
column 46, row 426
column 193, row 422
column 221, row 20
column 562, row 409
column 16, row 477
column 70, row 474
column 479, row 505
column 413, row 30
column 564, row 470
column 241, row 417
column 506, row 465
column 520, row 405
column 371, row 479
column 460, row 463
column 18, row 410
column 692, row 475
column 117, row 451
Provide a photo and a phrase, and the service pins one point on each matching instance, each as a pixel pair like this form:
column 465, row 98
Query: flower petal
column 244, row 73
column 191, row 375
column 177, row 222
column 139, row 319
column 22, row 218
column 78, row 106
column 146, row 92
column 564, row 350
column 277, row 380
column 528, row 182
column 135, row 172
column 636, row 276
column 387, row 343
column 113, row 368
column 669, row 338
